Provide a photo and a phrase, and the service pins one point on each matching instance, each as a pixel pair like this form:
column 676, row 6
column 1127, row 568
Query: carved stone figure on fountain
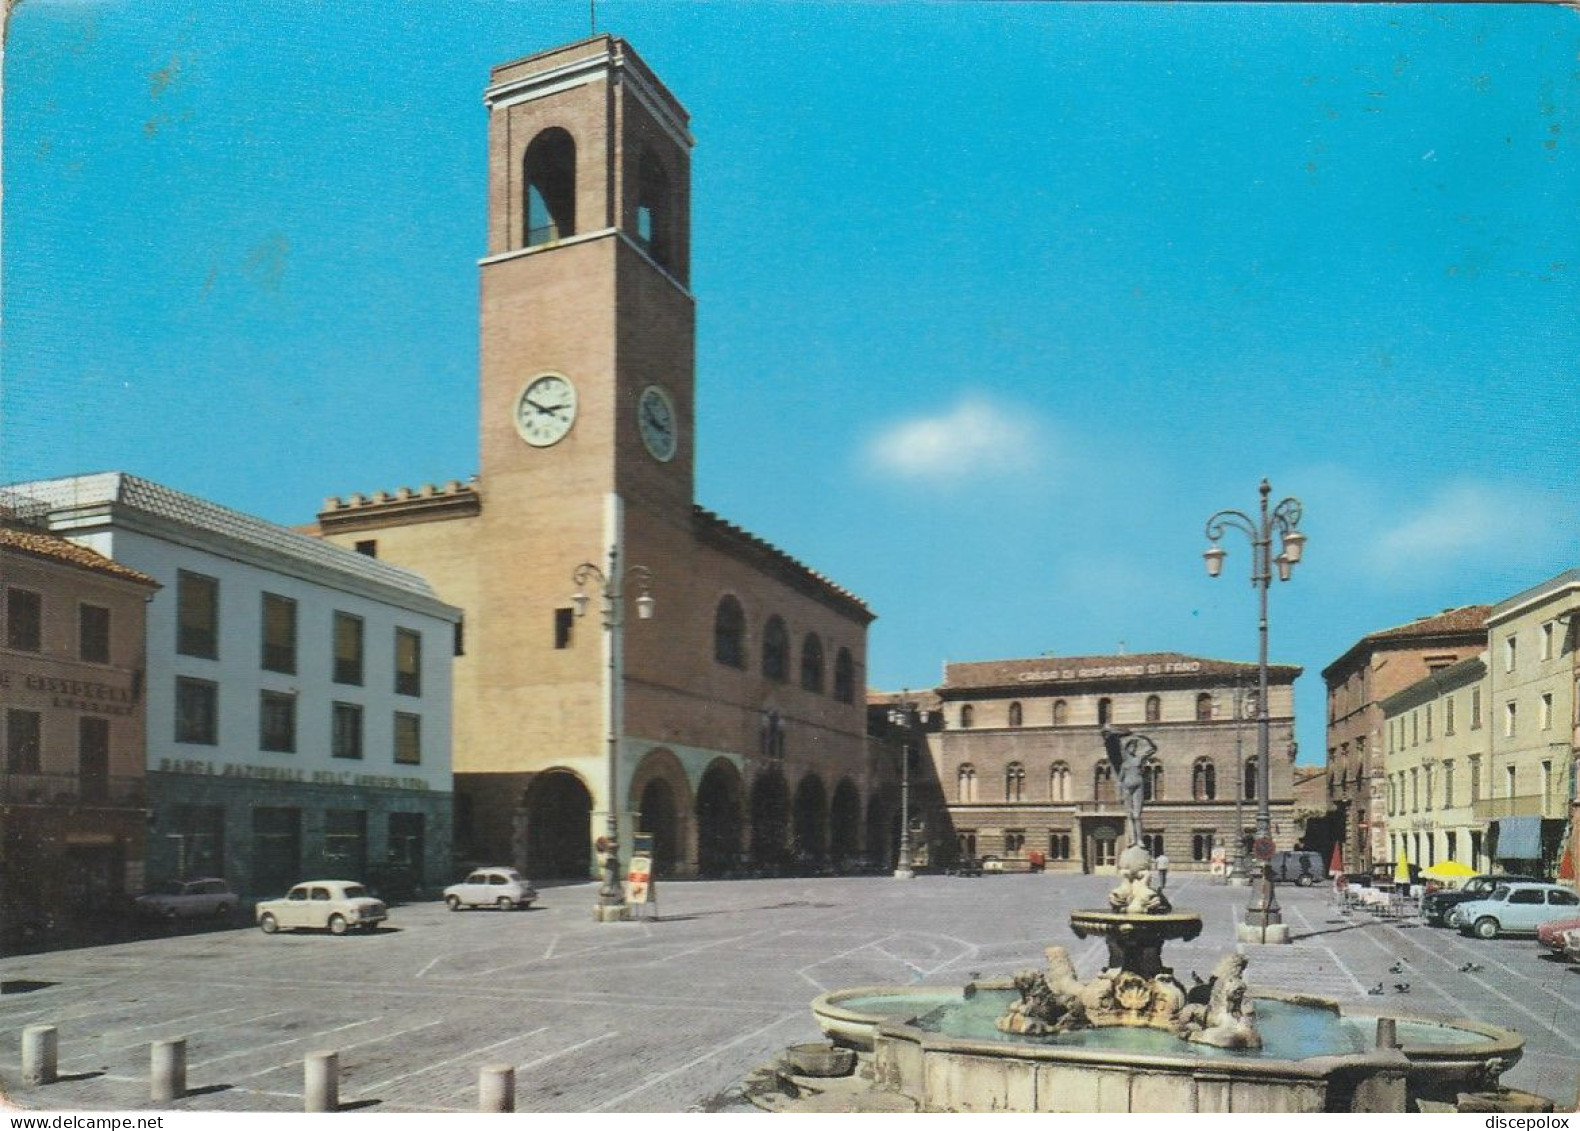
column 1227, row 1019
column 1129, row 754
column 1135, row 894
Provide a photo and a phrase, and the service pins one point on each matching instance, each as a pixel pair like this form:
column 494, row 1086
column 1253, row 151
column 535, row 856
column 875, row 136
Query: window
column 1153, row 843
column 1510, row 713
column 968, row 717
column 1510, row 780
column 1415, row 790
column 1014, row 781
column 1014, row 842
column 1448, row 716
column 197, row 711
column 408, row 739
column 1558, row 897
column 1201, row 845
column 564, row 628
column 1429, row 722
column 729, row 634
column 1526, row 895
column 1058, row 846
column 1154, row 708
column 1152, row 781
column 1204, row 707
column 1059, row 782
column 458, row 644
column 1415, row 728
column 653, row 219
column 24, row 732
column 93, row 634
column 1250, row 779
column 1544, row 715
column 346, row 731
column 1547, row 641
column 1448, row 792
column 1475, row 779
column 1451, row 846
column 277, row 722
column 197, row 615
column 1510, row 652
column 348, row 649
column 1105, row 711
column 776, row 651
column 408, row 661
column 1203, row 780
column 24, row 611
column 1426, row 776
column 93, row 758
column 279, row 634
column 1103, row 782
column 966, row 783
column 1392, row 807
column 368, row 547
column 345, row 843
column 812, row 663
column 1061, row 712
column 844, row 677
column 1475, row 708
column 1014, row 715
column 550, row 176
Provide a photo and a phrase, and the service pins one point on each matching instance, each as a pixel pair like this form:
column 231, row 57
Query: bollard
column 323, row 1082
column 1387, row 1033
column 40, row 1054
column 496, row 1089
column 167, row 1070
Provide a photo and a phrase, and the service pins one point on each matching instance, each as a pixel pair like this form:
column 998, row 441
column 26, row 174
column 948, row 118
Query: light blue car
column 1515, row 908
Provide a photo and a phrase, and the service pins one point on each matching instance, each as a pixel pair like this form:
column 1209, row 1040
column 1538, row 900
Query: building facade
column 1022, row 763
column 1373, row 668
column 72, row 804
column 1531, row 703
column 1435, row 742
column 737, row 712
column 297, row 695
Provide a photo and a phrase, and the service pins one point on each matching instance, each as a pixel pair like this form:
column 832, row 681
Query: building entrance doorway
column 770, row 810
column 1100, row 843
column 658, row 819
column 719, row 820
column 559, row 827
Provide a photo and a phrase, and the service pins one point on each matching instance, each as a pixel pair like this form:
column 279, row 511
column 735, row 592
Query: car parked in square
column 504, row 888
column 1516, row 909
column 334, row 905
column 208, row 898
column 1437, row 907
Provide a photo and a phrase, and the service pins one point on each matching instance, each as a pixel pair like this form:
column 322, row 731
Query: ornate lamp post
column 611, row 895
column 1263, row 922
column 903, row 714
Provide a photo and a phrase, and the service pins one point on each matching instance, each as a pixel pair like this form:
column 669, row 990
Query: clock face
column 546, row 410
column 655, row 415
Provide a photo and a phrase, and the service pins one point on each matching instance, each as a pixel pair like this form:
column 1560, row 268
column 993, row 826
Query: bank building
column 734, row 716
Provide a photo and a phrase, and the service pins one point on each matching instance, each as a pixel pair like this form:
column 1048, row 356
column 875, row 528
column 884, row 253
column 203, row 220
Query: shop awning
column 1520, row 838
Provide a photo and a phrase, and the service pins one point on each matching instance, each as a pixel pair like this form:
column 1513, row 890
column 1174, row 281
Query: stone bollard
column 40, row 1054
column 167, row 1070
column 496, row 1089
column 1387, row 1033
column 323, row 1082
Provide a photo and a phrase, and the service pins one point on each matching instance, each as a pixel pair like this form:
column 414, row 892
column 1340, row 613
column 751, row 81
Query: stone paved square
column 670, row 1015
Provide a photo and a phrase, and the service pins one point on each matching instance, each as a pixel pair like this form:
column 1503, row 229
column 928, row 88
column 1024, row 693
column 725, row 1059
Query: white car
column 339, row 905
column 504, row 888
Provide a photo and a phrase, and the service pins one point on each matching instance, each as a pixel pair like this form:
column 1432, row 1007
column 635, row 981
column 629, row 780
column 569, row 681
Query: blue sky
column 996, row 303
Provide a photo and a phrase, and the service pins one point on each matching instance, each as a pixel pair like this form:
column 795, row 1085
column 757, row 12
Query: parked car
column 339, row 905
column 393, row 883
column 188, row 899
column 504, row 888
column 1551, row 935
column 1571, row 947
column 1302, row 868
column 1514, row 908
column 1438, row 906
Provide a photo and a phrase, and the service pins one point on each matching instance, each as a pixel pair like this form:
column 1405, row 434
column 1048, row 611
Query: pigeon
column 1376, row 990
column 1397, row 967
column 1402, row 987
column 1470, row 968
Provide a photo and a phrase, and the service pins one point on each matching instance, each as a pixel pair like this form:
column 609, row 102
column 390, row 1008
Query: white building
column 298, row 695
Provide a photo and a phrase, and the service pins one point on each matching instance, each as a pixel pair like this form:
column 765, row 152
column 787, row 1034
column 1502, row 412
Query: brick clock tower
column 586, row 407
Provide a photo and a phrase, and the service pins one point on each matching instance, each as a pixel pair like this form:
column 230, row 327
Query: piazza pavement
column 670, row 1014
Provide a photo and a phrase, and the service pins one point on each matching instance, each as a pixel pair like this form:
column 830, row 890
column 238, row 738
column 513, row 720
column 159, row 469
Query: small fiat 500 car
column 1516, row 908
column 188, row 899
column 504, row 888
column 338, row 905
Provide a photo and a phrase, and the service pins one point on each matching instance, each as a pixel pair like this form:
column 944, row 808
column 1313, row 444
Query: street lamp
column 1262, row 918
column 903, row 714
column 611, row 895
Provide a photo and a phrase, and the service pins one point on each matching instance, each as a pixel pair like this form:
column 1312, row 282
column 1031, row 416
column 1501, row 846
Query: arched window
column 550, row 176
column 1204, row 707
column 1059, row 782
column 968, row 717
column 844, row 676
column 776, row 650
column 1014, row 781
column 1154, row 708
column 653, row 213
column 1203, row 780
column 1061, row 712
column 966, row 782
column 812, row 663
column 1014, row 714
column 1152, row 781
column 1105, row 712
column 729, row 633
column 1103, row 782
column 1250, row 779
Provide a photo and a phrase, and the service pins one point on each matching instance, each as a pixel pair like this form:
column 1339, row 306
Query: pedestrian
column 1161, row 866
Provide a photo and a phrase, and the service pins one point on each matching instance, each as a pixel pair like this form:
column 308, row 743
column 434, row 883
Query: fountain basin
column 938, row 1046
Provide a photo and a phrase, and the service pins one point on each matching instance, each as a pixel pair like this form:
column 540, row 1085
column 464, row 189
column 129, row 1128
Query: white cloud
column 1462, row 520
column 974, row 439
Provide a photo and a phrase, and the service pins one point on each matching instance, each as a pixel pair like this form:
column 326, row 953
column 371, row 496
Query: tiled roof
column 90, row 492
column 923, row 700
column 1059, row 669
column 37, row 544
column 1466, row 618
column 735, row 536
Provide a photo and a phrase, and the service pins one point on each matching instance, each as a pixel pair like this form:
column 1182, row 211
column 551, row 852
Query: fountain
column 1133, row 1038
